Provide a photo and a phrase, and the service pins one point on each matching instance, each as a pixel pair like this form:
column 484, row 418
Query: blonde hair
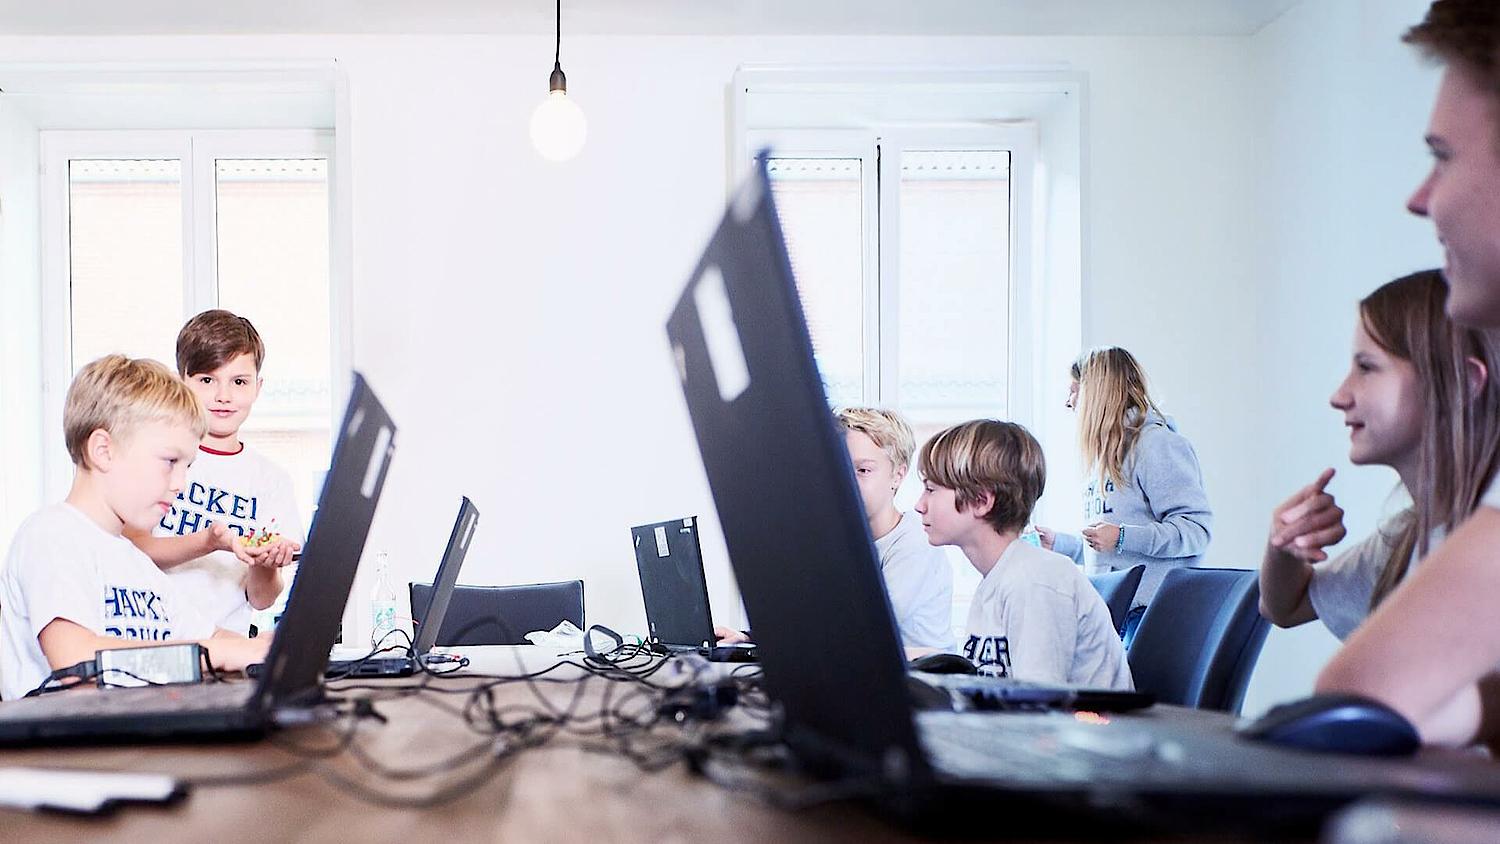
column 988, row 456
column 886, row 428
column 1113, row 402
column 119, row 394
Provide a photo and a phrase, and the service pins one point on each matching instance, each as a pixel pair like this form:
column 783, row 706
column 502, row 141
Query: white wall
column 1341, row 107
column 20, row 305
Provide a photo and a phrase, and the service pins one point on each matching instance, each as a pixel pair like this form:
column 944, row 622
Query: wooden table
column 566, row 790
column 570, row 789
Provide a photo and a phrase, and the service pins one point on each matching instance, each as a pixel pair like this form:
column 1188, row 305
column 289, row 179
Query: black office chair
column 1200, row 638
column 1118, row 590
column 501, row 615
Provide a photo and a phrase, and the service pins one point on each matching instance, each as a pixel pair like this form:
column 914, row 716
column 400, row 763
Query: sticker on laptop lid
column 661, row 542
column 725, row 352
column 378, row 456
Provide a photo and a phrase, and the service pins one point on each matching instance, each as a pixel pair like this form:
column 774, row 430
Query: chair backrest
column 501, row 615
column 1200, row 638
column 1118, row 590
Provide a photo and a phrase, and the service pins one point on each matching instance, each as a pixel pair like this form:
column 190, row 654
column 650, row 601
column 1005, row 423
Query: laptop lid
column 670, row 562
column 447, row 575
column 293, row 669
column 786, row 497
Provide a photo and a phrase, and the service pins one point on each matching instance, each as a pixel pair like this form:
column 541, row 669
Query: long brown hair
column 1113, row 400
column 1460, row 440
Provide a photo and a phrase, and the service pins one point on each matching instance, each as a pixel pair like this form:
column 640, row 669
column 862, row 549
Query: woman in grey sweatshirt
column 1144, row 502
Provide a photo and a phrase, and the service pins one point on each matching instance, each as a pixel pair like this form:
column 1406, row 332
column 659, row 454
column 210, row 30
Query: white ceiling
column 640, row 17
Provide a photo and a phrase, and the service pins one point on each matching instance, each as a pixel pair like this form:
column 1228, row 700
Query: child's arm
column 66, row 643
column 1168, row 472
column 263, row 582
column 169, row 552
column 1301, row 528
column 1433, row 638
column 1065, row 544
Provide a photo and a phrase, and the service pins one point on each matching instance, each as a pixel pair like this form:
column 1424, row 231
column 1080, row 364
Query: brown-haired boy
column 72, row 584
column 1034, row 616
column 233, row 493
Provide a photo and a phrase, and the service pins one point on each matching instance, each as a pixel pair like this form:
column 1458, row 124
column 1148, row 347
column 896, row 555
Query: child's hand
column 727, row 636
column 1102, row 536
column 221, row 538
column 1308, row 522
column 275, row 555
column 1047, row 536
column 232, row 652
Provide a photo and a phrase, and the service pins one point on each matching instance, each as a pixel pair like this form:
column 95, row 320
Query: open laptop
column 670, row 561
column 802, row 554
column 442, row 593
column 294, row 665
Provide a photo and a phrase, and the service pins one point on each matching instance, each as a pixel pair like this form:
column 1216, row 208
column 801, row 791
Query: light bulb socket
column 558, row 81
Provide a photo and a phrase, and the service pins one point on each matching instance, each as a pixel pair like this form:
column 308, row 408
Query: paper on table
column 81, row 791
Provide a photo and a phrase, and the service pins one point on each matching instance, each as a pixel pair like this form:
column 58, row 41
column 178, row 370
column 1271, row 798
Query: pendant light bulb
column 558, row 127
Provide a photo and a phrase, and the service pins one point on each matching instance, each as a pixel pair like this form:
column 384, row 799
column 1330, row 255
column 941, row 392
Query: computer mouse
column 1336, row 723
column 943, row 664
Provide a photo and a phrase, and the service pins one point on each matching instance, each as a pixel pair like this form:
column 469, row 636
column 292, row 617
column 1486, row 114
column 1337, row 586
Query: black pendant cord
column 557, row 51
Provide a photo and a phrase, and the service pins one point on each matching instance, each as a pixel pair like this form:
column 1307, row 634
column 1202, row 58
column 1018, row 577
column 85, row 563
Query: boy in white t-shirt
column 917, row 576
column 72, row 584
column 233, row 493
column 1035, row 616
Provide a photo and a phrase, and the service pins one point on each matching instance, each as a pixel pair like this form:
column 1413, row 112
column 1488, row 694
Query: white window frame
column 198, row 150
column 879, row 151
column 1046, row 102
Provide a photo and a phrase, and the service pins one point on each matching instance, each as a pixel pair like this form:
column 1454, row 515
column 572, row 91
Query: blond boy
column 917, row 576
column 72, row 583
column 1035, row 616
column 233, row 493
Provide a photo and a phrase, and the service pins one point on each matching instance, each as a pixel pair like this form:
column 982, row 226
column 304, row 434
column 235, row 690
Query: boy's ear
column 983, row 504
column 1477, row 374
column 99, row 450
column 900, row 473
column 259, row 382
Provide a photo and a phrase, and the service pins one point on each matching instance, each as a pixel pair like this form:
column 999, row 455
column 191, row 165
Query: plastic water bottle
column 382, row 604
column 1031, row 537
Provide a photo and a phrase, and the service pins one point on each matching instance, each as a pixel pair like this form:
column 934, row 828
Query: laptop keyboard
column 1048, row 749
column 978, row 692
column 152, row 700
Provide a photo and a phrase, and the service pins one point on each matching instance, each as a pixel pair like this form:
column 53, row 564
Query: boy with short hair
column 917, row 575
column 72, row 583
column 234, row 495
column 1035, row 616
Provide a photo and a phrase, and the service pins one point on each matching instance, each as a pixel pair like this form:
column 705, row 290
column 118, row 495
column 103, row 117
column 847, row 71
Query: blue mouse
column 1336, row 723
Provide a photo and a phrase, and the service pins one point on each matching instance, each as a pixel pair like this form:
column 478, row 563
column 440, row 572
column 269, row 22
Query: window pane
column 125, row 257
column 954, row 320
column 272, row 232
column 820, row 203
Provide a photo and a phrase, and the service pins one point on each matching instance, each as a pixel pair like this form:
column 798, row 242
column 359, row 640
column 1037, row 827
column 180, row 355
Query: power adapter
column 159, row 665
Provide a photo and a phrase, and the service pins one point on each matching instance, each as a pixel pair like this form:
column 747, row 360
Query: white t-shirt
column 63, row 565
column 1341, row 588
column 920, row 584
column 1036, row 617
column 245, row 491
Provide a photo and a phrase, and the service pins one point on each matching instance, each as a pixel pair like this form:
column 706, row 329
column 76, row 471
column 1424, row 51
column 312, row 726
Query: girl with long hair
column 1421, row 397
column 1144, row 501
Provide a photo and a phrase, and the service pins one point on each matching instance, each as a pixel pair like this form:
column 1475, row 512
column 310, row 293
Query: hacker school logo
column 991, row 654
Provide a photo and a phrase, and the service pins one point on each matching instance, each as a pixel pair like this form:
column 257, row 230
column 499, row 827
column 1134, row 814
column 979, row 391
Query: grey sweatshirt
column 1164, row 510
